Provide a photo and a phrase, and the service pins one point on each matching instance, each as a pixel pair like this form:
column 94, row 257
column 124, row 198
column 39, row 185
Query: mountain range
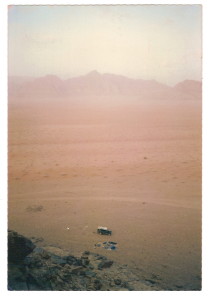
column 98, row 84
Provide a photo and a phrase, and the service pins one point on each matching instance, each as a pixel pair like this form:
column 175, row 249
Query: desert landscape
column 105, row 130
column 106, row 150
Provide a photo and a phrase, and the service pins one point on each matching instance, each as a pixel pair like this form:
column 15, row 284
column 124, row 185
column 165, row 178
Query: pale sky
column 158, row 42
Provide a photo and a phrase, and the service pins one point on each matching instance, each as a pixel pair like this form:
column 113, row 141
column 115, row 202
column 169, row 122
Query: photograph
column 104, row 147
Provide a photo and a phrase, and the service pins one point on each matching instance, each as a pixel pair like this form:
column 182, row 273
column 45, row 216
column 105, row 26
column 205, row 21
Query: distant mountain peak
column 93, row 73
column 191, row 87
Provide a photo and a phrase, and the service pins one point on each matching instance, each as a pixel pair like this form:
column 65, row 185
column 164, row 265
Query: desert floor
column 134, row 168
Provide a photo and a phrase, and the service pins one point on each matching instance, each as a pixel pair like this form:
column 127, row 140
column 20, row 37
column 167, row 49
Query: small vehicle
column 104, row 231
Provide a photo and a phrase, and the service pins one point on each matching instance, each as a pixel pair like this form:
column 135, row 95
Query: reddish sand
column 133, row 168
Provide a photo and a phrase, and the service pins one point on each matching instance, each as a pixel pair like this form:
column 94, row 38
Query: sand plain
column 135, row 168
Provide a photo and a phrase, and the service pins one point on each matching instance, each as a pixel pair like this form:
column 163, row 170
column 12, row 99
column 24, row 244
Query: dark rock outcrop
column 18, row 247
column 54, row 269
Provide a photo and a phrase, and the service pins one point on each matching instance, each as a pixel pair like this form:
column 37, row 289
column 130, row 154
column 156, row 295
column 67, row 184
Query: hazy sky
column 161, row 42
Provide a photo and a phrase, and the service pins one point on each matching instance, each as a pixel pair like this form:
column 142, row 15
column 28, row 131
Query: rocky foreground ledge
column 32, row 268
